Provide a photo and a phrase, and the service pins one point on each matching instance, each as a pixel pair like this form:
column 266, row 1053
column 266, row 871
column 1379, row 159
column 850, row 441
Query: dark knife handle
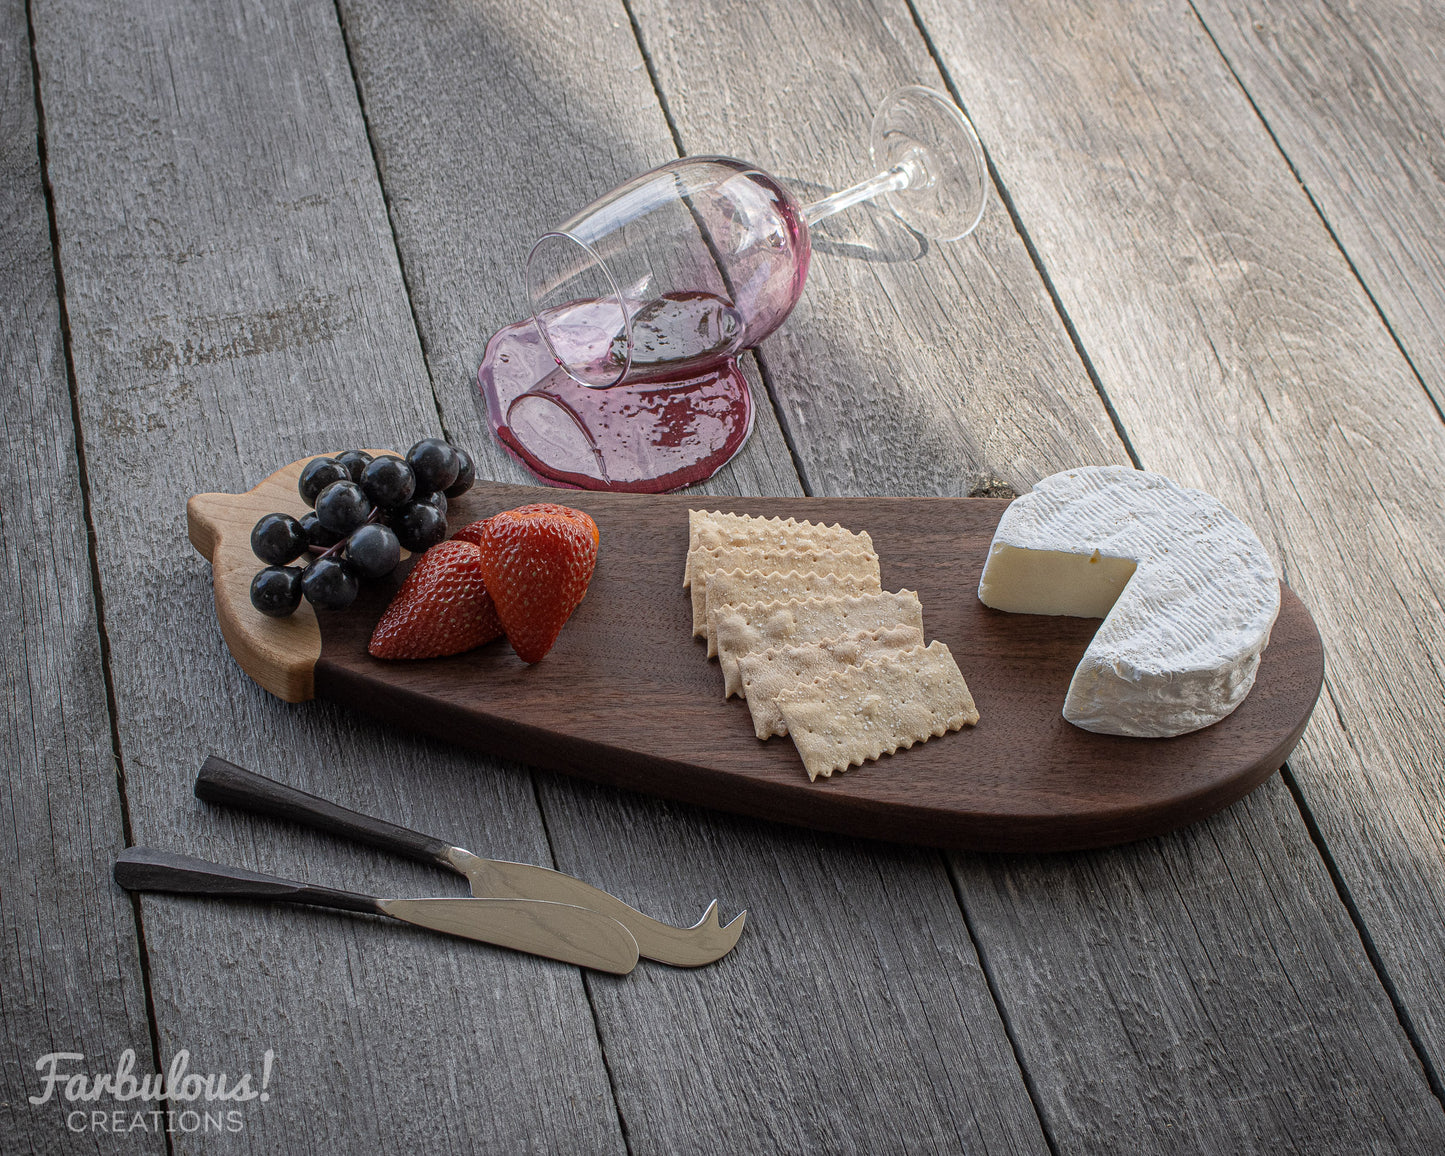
column 223, row 782
column 146, row 869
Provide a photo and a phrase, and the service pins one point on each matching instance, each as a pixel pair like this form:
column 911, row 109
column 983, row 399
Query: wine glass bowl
column 675, row 271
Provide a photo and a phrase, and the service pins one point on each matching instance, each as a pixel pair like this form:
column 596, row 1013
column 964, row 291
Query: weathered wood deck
column 236, row 233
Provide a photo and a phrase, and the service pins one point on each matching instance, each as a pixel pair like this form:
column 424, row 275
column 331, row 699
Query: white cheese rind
column 1179, row 648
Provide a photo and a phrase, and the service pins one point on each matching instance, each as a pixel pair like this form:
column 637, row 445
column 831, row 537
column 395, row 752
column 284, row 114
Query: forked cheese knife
column 555, row 930
column 705, row 941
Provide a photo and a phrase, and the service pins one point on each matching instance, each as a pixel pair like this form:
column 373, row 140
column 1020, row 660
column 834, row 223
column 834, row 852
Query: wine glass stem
column 888, row 181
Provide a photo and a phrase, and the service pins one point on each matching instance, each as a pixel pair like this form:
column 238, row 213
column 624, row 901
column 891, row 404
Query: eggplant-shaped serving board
column 628, row 697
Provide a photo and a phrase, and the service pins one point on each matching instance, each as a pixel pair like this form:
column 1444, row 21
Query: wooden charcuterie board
column 628, row 697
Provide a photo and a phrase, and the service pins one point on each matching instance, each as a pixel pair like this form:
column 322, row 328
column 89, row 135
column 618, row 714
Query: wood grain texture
column 70, row 967
column 475, row 143
column 279, row 654
column 710, row 96
column 604, row 703
column 1354, row 94
column 236, row 302
column 493, row 123
column 853, row 1017
column 948, row 357
column 1249, row 1004
column 1201, row 282
column 825, row 64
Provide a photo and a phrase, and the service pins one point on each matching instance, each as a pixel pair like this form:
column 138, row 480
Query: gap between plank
column 763, row 370
column 1037, row 259
column 1034, row 255
column 390, row 221
column 1028, row 1082
column 91, row 541
column 586, row 982
column 1319, row 212
column 1316, row 835
column 1008, row 1028
column 441, row 418
column 1382, row 973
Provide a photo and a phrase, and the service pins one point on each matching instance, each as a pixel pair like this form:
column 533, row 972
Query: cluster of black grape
column 364, row 510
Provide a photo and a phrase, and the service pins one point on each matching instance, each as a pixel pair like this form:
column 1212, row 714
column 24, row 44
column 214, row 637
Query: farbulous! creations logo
column 176, row 1100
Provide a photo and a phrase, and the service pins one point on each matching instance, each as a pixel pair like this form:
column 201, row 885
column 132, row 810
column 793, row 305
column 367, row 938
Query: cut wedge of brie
column 1185, row 589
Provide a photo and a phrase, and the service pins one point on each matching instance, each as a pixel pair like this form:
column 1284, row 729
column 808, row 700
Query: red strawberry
column 442, row 608
column 470, row 533
column 473, row 532
column 537, row 561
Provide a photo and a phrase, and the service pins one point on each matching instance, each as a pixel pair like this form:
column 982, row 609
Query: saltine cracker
column 864, row 712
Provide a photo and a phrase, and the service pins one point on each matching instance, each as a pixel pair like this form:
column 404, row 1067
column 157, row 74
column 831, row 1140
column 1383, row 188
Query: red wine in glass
column 625, row 377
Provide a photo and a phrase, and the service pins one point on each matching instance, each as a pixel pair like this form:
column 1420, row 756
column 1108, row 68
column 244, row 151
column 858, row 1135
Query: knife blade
column 702, row 943
column 556, row 930
column 707, row 940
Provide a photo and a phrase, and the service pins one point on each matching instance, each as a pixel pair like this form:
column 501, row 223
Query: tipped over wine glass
column 625, row 376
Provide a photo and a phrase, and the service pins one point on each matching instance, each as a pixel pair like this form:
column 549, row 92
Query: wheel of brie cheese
column 1186, row 591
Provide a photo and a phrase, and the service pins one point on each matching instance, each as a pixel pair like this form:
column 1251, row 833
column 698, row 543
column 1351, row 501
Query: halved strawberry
column 536, row 561
column 442, row 608
column 473, row 532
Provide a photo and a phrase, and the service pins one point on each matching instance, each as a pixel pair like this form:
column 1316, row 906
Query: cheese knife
column 706, row 941
column 555, row 930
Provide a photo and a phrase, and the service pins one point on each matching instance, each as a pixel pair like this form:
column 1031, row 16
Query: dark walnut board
column 628, row 697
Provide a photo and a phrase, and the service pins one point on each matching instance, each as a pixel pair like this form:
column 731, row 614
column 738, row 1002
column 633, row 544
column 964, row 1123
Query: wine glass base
column 928, row 136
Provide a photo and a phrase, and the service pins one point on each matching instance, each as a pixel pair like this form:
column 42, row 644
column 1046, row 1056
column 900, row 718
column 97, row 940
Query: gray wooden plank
column 70, row 968
column 1131, row 1013
column 702, row 1061
column 1354, row 94
column 852, row 1017
column 600, row 845
column 937, row 369
column 1290, row 990
column 1242, row 356
column 235, row 301
column 548, row 107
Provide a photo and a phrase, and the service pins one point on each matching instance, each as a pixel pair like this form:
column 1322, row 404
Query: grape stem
column 327, row 551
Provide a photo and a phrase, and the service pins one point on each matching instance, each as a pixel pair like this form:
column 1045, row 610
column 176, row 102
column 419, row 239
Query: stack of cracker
column 797, row 617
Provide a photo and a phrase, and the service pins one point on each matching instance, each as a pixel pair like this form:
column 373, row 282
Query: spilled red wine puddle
column 648, row 436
